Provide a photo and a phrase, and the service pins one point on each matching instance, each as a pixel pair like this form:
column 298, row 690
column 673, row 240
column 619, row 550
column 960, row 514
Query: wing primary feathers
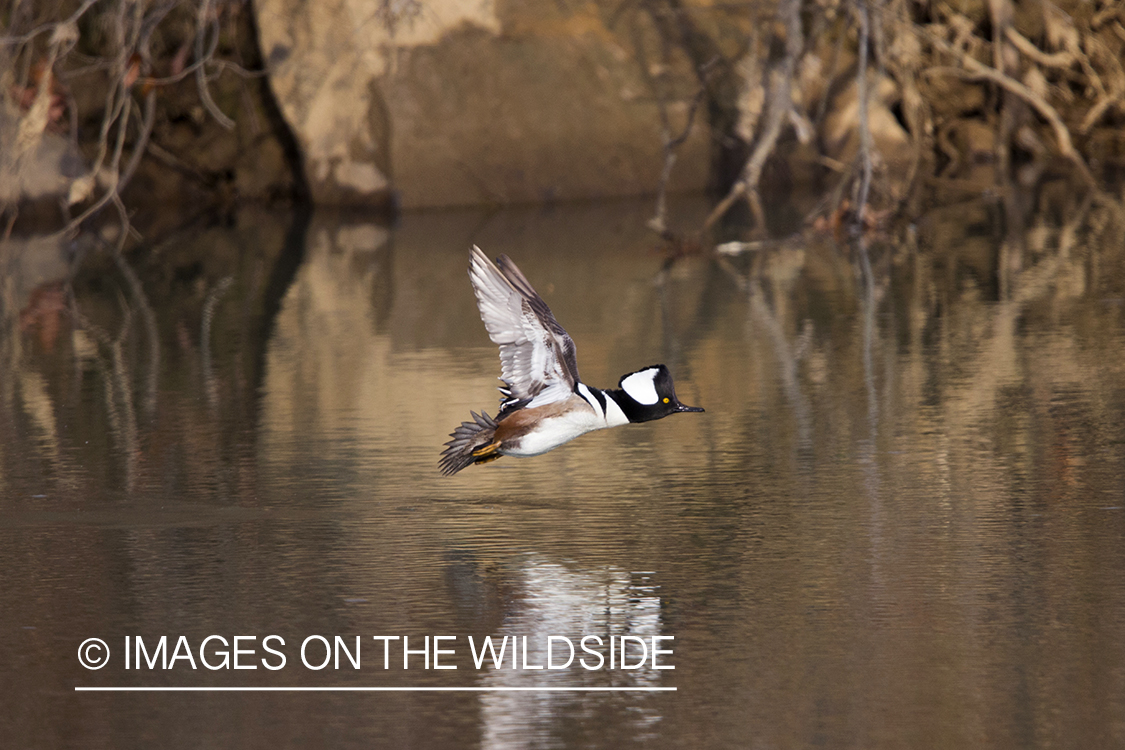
column 562, row 342
column 537, row 357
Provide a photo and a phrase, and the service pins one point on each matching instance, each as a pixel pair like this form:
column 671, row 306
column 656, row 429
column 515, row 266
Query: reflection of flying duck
column 545, row 404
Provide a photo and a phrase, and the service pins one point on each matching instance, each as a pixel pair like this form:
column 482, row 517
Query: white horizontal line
column 143, row 689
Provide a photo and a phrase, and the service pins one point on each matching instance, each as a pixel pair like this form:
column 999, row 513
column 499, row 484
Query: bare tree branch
column 204, row 23
column 974, row 69
column 779, row 104
column 864, row 185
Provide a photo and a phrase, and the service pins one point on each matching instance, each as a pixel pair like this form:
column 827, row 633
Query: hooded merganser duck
column 545, row 404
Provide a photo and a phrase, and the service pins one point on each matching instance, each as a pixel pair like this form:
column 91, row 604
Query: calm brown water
column 899, row 524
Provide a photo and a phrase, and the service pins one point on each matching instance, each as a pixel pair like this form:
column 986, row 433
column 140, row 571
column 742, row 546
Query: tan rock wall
column 450, row 103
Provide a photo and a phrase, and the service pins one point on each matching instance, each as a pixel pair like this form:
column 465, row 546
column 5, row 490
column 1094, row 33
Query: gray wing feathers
column 537, row 359
column 564, row 346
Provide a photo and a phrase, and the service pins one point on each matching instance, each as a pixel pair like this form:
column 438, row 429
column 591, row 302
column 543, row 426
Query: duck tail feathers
column 468, row 437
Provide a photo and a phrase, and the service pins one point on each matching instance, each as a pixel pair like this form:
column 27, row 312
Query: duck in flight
column 544, row 403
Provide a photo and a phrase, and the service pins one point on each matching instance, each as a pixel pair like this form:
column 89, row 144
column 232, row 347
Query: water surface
column 899, row 523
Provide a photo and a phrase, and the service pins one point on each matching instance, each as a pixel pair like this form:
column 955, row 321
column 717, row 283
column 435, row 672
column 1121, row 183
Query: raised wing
column 537, row 362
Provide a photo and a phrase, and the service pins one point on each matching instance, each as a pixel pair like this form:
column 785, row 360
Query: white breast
column 554, row 431
column 585, row 415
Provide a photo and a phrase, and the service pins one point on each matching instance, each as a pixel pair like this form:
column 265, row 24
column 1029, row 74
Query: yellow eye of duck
column 665, row 399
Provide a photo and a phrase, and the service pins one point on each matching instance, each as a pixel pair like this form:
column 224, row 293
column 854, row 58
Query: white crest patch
column 640, row 386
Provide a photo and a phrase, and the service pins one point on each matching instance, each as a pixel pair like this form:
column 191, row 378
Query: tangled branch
column 975, row 70
column 121, row 45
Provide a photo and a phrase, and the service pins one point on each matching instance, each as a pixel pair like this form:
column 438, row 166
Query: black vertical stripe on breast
column 598, row 396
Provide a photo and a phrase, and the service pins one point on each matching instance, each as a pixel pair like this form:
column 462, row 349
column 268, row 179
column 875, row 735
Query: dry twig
column 779, row 104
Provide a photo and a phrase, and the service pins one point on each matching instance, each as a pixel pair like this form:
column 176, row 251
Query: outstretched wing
column 537, row 362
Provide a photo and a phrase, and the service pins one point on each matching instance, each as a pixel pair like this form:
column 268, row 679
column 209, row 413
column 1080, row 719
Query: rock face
column 444, row 103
